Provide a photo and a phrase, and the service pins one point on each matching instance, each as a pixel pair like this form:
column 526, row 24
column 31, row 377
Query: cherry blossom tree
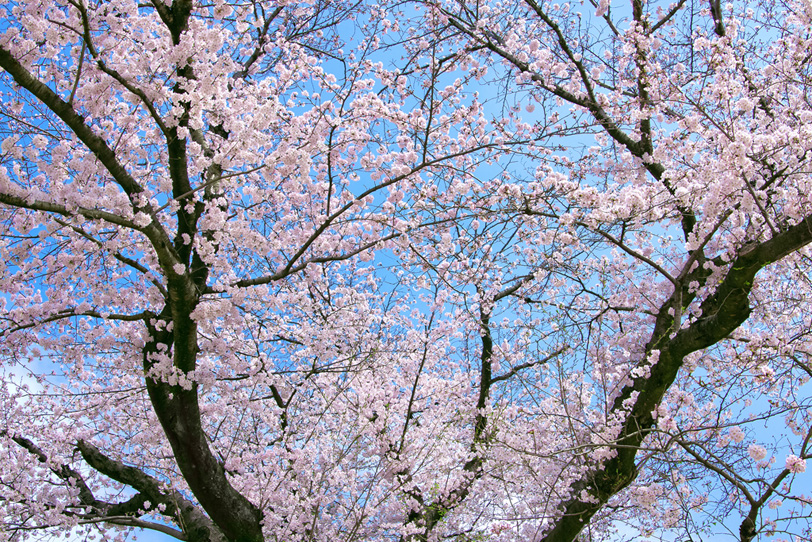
column 683, row 204
column 406, row 271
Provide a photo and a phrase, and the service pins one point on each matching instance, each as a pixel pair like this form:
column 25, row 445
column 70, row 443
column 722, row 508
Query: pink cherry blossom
column 371, row 271
column 795, row 464
column 757, row 452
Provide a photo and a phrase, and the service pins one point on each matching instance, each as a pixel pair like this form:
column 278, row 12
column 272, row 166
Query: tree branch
column 197, row 526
